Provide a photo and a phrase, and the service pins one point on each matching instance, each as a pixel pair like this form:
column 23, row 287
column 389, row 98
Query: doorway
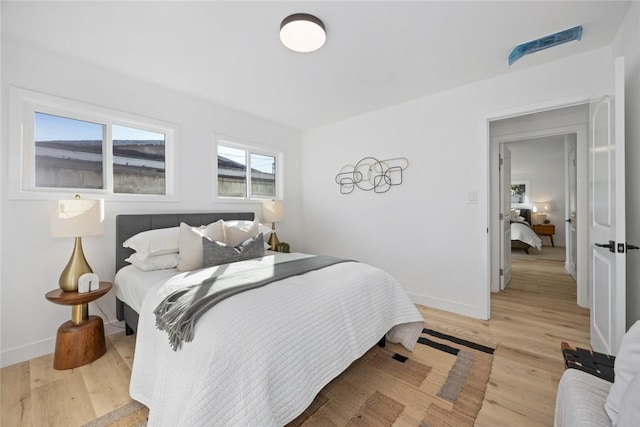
column 570, row 120
column 538, row 166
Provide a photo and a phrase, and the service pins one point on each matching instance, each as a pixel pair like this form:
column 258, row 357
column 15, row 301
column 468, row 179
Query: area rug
column 133, row 414
column 441, row 383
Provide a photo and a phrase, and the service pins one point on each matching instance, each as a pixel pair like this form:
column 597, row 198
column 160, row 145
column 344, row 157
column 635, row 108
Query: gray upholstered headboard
column 526, row 214
column 130, row 225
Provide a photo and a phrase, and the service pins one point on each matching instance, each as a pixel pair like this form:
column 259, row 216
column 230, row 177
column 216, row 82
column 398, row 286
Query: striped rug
column 441, row 383
column 133, row 414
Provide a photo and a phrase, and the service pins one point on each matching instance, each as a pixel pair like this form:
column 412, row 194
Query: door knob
column 568, row 220
column 630, row 247
column 611, row 245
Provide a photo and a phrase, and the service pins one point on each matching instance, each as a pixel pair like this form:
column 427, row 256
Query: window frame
column 23, row 104
column 249, row 149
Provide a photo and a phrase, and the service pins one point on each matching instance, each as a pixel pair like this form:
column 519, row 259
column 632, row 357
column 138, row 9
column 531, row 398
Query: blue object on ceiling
column 546, row 42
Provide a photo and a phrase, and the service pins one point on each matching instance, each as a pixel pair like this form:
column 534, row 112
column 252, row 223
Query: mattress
column 524, row 233
column 260, row 357
column 131, row 284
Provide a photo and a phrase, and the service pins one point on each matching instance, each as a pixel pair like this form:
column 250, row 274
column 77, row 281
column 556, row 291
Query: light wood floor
column 529, row 320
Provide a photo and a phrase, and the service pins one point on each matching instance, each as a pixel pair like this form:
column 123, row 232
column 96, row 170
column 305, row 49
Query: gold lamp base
column 75, row 268
column 273, row 239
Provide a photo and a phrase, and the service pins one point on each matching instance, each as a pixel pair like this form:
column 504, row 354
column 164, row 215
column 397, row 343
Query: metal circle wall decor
column 371, row 174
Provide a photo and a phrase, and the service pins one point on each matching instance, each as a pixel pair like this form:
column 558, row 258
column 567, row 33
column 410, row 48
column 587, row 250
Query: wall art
column 371, row 174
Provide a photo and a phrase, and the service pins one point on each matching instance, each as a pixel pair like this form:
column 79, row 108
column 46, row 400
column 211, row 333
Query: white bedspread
column 131, row 284
column 525, row 234
column 260, row 357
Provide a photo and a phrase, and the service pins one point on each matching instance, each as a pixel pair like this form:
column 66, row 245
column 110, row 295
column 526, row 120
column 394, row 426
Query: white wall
column 541, row 163
column 425, row 232
column 32, row 260
column 627, row 44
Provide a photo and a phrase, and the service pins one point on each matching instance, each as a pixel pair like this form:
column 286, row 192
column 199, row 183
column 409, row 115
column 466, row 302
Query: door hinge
column 501, row 161
column 501, row 272
column 501, row 217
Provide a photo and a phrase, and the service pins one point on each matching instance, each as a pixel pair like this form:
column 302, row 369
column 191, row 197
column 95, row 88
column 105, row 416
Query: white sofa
column 586, row 400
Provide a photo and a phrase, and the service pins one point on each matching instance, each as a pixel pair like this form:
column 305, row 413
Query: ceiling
column 377, row 53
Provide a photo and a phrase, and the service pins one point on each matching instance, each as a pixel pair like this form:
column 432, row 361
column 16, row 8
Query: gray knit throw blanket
column 178, row 313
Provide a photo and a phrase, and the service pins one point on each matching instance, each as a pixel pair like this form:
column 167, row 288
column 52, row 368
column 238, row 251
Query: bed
column 259, row 357
column 522, row 235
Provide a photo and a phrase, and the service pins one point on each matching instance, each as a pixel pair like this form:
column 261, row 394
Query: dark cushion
column 216, row 253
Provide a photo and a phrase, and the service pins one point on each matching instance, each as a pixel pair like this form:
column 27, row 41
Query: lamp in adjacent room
column 302, row 32
column 75, row 218
column 541, row 210
column 273, row 211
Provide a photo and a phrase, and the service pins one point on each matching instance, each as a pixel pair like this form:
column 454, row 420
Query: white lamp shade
column 542, row 207
column 76, row 217
column 272, row 211
column 302, row 32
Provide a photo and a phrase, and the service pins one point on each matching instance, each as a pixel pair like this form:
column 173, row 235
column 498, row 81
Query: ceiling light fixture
column 302, row 32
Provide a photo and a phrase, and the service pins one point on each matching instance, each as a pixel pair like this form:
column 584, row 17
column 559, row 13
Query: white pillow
column 238, row 231
column 630, row 410
column 266, row 233
column 156, row 262
column 190, row 243
column 154, row 242
column 626, row 366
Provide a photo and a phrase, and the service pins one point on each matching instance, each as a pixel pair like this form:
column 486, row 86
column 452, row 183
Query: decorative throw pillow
column 236, row 232
column 626, row 366
column 191, row 243
column 217, row 253
column 154, row 242
column 630, row 410
column 156, row 262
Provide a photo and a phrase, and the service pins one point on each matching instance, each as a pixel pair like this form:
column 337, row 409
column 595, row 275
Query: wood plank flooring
column 529, row 320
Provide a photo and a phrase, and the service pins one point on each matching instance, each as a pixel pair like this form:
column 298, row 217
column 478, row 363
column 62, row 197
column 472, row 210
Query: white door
column 607, row 240
column 570, row 214
column 505, row 216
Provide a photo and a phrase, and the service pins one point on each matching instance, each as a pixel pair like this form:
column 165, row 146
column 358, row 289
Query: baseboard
column 40, row 348
column 448, row 305
column 28, row 351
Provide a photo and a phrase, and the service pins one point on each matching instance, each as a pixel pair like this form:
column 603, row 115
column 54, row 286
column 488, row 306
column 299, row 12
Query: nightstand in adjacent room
column 80, row 340
column 545, row 230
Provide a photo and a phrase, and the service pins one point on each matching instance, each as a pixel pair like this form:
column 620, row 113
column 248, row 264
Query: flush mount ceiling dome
column 302, row 32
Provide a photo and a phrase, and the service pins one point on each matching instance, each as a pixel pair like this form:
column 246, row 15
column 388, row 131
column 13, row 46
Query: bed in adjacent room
column 522, row 235
column 258, row 357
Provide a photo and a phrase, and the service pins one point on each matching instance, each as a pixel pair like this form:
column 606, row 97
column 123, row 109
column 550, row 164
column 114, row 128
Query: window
column 71, row 147
column 246, row 173
column 138, row 161
column 68, row 152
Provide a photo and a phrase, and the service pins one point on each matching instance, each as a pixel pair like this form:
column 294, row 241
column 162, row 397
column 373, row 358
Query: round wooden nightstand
column 80, row 340
column 545, row 230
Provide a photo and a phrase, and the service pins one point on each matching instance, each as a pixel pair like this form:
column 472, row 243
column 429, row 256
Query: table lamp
column 75, row 218
column 273, row 211
column 541, row 209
